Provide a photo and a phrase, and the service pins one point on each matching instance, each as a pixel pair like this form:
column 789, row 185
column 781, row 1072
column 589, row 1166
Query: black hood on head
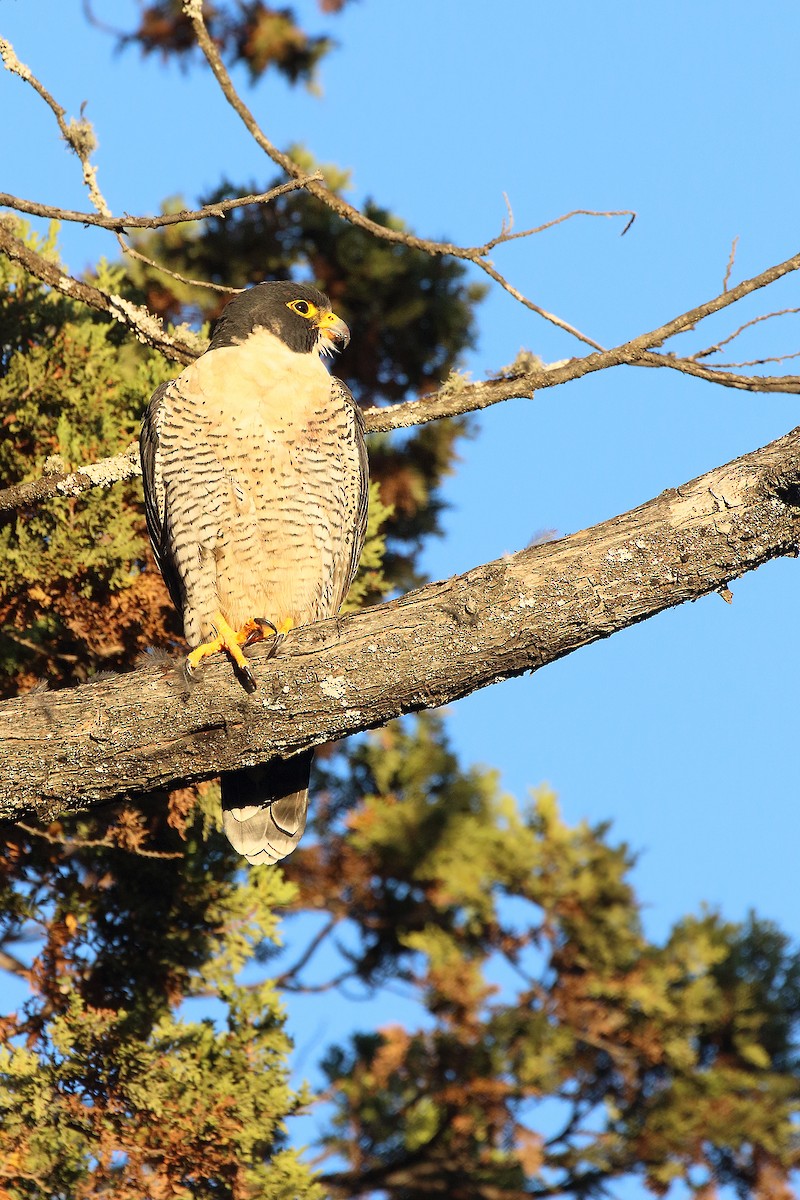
column 265, row 306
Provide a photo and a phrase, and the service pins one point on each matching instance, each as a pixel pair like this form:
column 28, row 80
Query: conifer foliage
column 552, row 1048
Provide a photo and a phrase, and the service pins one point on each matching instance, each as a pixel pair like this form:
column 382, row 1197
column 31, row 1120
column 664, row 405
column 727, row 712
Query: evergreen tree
column 557, row 1049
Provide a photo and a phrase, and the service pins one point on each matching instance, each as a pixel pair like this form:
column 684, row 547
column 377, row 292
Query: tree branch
column 129, row 734
column 143, row 324
column 474, row 254
column 456, row 397
column 71, row 483
column 119, row 224
column 78, row 135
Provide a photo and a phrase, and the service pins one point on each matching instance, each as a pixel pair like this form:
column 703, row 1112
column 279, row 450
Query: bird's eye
column 302, row 307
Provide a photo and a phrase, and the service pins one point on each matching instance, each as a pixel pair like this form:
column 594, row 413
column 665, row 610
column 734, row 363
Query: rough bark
column 127, row 734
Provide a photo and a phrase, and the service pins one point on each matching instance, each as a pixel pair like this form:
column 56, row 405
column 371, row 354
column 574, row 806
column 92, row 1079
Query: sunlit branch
column 456, row 397
column 131, row 733
column 118, row 224
column 79, row 135
column 715, row 349
column 474, row 254
column 146, row 327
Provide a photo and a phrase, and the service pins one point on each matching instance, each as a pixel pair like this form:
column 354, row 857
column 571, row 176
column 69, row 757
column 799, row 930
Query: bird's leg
column 231, row 641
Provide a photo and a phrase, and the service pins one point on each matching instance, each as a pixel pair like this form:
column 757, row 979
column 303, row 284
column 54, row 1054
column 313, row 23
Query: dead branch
column 786, row 384
column 132, row 252
column 118, row 224
column 129, row 734
column 474, row 254
column 455, row 398
column 729, row 267
column 146, row 327
column 759, row 362
column 79, row 135
column 715, row 349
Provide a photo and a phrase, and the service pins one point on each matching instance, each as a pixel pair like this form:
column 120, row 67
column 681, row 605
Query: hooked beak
column 333, row 330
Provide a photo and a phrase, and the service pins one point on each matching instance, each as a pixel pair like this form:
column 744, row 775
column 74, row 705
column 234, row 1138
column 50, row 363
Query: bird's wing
column 346, row 575
column 154, row 495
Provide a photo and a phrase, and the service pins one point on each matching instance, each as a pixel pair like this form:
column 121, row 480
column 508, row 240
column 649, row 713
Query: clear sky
column 681, row 731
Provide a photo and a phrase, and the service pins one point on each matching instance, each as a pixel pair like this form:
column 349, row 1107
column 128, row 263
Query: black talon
column 246, row 678
column 266, row 621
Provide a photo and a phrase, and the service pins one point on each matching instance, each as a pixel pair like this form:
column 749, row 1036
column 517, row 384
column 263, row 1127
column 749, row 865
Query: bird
column 256, row 488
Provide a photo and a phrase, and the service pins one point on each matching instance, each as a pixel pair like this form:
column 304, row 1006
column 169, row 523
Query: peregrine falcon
column 256, row 484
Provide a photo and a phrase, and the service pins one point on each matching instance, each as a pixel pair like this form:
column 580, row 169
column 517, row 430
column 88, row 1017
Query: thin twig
column 309, row 951
column 731, row 261
column 554, row 320
column 758, row 362
column 755, row 321
column 106, row 843
column 507, row 236
column 150, row 262
column 118, row 224
column 474, row 254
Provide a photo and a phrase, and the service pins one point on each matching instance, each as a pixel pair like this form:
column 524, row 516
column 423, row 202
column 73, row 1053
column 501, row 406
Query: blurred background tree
column 554, row 1048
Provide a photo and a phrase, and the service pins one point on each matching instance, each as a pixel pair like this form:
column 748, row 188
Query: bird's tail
column 264, row 808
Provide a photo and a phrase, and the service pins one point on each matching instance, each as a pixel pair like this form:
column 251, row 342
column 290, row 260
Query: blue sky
column 681, row 731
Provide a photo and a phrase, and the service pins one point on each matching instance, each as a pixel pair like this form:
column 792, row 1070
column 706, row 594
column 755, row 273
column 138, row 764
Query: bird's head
column 298, row 314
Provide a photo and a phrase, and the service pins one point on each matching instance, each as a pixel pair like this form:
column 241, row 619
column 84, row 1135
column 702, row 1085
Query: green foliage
column 677, row 1061
column 105, row 1085
column 370, row 583
column 67, row 389
column 251, row 32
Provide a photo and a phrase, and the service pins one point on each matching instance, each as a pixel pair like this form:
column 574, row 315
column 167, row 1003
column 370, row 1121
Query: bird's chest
column 274, row 459
column 270, row 424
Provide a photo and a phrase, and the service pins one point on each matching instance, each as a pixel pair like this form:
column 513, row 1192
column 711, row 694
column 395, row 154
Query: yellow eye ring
column 303, row 308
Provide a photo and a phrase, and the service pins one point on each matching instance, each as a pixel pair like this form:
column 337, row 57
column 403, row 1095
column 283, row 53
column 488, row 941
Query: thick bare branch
column 129, row 734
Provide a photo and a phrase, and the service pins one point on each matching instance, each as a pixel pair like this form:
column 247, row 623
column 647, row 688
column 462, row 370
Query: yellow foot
column 231, row 641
